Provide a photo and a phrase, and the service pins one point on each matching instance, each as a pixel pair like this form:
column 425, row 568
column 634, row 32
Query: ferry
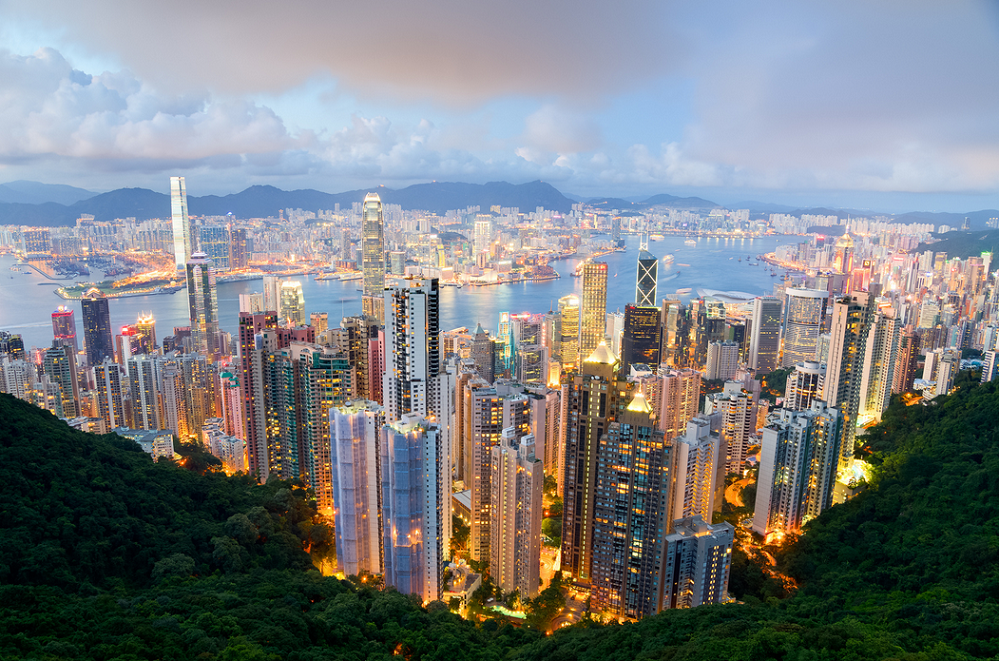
column 690, row 242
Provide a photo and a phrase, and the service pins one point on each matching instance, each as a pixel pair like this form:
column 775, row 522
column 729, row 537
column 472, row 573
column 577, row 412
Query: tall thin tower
column 593, row 312
column 373, row 258
column 181, row 223
column 204, row 304
column 648, row 276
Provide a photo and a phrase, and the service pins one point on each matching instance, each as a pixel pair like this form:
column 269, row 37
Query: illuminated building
column 239, row 253
column 158, row 443
column 648, row 276
column 738, row 409
column 272, row 295
column 804, row 385
column 697, row 563
column 230, row 450
column 110, row 402
column 252, row 303
column 412, row 476
column 590, row 402
column 504, row 348
column 632, row 513
column 319, row 321
column 412, row 348
column 60, row 367
column 568, row 311
column 203, row 304
column 143, row 393
column 483, row 354
column 593, row 308
column 642, row 336
column 804, row 315
column 532, row 364
column 64, row 328
column 723, row 361
column 181, row 223
column 373, row 257
column 799, row 458
column 764, row 343
column 700, row 469
column 231, row 398
column 679, row 397
column 146, row 326
column 216, row 243
column 292, row 304
column 13, row 346
column 250, row 326
column 361, row 345
column 354, row 452
column 516, row 494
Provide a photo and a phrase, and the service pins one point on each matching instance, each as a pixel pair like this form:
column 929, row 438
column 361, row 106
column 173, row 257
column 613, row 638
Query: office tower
column 804, row 385
column 700, row 469
column 252, row 303
column 412, row 348
column 799, row 456
column 504, row 348
column 272, row 295
column 844, row 253
column 590, row 402
column 107, row 385
column 250, row 326
column 60, row 368
column 648, row 276
column 679, row 400
column 517, row 480
column 319, row 321
column 146, row 327
column 356, row 483
column 203, row 304
column 143, row 393
column 632, row 513
column 483, row 236
column 738, row 408
column 239, row 254
column 181, row 223
column 723, row 361
column 697, row 562
column 804, row 315
column 593, row 308
column 568, row 311
column 292, row 304
column 64, row 328
column 532, row 364
column 642, row 336
column 13, row 346
column 488, row 410
column 215, row 242
column 412, row 528
column 483, row 354
column 764, row 343
column 674, row 321
column 373, row 258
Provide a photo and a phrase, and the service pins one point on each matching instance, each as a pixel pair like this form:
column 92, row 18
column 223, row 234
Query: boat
column 690, row 242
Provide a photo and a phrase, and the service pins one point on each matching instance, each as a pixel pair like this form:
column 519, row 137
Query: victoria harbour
column 27, row 301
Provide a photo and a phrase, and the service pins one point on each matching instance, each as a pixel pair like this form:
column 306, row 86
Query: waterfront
column 27, row 301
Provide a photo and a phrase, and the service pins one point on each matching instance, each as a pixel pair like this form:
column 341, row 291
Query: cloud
column 448, row 50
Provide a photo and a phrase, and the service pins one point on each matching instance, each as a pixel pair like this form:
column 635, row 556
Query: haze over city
column 881, row 106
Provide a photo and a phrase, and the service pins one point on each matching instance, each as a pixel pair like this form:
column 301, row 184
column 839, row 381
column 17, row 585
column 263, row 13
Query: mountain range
column 32, row 203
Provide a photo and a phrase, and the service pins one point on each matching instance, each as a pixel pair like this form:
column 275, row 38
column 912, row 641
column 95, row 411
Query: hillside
column 964, row 244
column 907, row 570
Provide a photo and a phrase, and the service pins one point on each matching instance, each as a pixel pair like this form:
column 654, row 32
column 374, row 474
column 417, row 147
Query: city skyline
column 884, row 116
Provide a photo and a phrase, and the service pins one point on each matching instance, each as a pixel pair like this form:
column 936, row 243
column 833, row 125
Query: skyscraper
column 239, row 255
column 64, row 328
column 107, row 380
column 60, row 368
column 697, row 562
column 764, row 343
column 804, row 314
column 272, row 295
column 203, row 304
column 593, row 309
column 181, row 223
column 700, row 470
column 216, row 243
column 412, row 348
column 648, row 276
column 146, row 325
column 143, row 393
column 292, row 304
column 804, row 385
column 723, row 361
column 568, row 310
column 373, row 258
column 250, row 326
column 642, row 336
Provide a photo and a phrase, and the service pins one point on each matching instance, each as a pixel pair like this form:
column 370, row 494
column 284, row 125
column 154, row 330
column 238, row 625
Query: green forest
column 106, row 555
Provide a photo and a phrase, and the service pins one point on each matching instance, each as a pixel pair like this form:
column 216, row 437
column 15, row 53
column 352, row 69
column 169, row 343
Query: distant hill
column 680, row 202
column 32, row 192
column 263, row 201
column 964, row 244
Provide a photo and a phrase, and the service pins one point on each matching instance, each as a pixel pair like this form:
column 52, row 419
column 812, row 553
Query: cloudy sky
column 888, row 105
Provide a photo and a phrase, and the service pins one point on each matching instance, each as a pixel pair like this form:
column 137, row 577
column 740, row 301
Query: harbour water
column 27, row 301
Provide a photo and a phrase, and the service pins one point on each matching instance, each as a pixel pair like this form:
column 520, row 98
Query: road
column 733, row 493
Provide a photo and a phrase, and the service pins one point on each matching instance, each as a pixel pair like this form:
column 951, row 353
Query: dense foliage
column 106, row 555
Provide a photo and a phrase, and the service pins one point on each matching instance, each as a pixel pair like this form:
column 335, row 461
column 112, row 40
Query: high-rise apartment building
column 412, row 348
column 64, row 328
column 908, row 356
column 764, row 343
column 143, row 393
column 677, row 401
column 373, row 257
column 251, row 325
column 110, row 401
column 700, row 469
column 292, row 304
column 203, row 304
column 272, row 295
column 804, row 385
column 697, row 562
column 723, row 361
column 633, row 513
column 737, row 408
column 804, row 316
column 182, row 247
column 60, row 368
column 516, row 494
column 799, row 457
column 593, row 308
column 356, row 486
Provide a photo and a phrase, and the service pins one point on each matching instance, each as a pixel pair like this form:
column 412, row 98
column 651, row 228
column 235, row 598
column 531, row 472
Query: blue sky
column 886, row 106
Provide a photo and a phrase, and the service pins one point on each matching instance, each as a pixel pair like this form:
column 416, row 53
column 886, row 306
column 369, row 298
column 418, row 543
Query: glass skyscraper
column 181, row 222
column 97, row 337
column 373, row 258
column 216, row 244
column 203, row 302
